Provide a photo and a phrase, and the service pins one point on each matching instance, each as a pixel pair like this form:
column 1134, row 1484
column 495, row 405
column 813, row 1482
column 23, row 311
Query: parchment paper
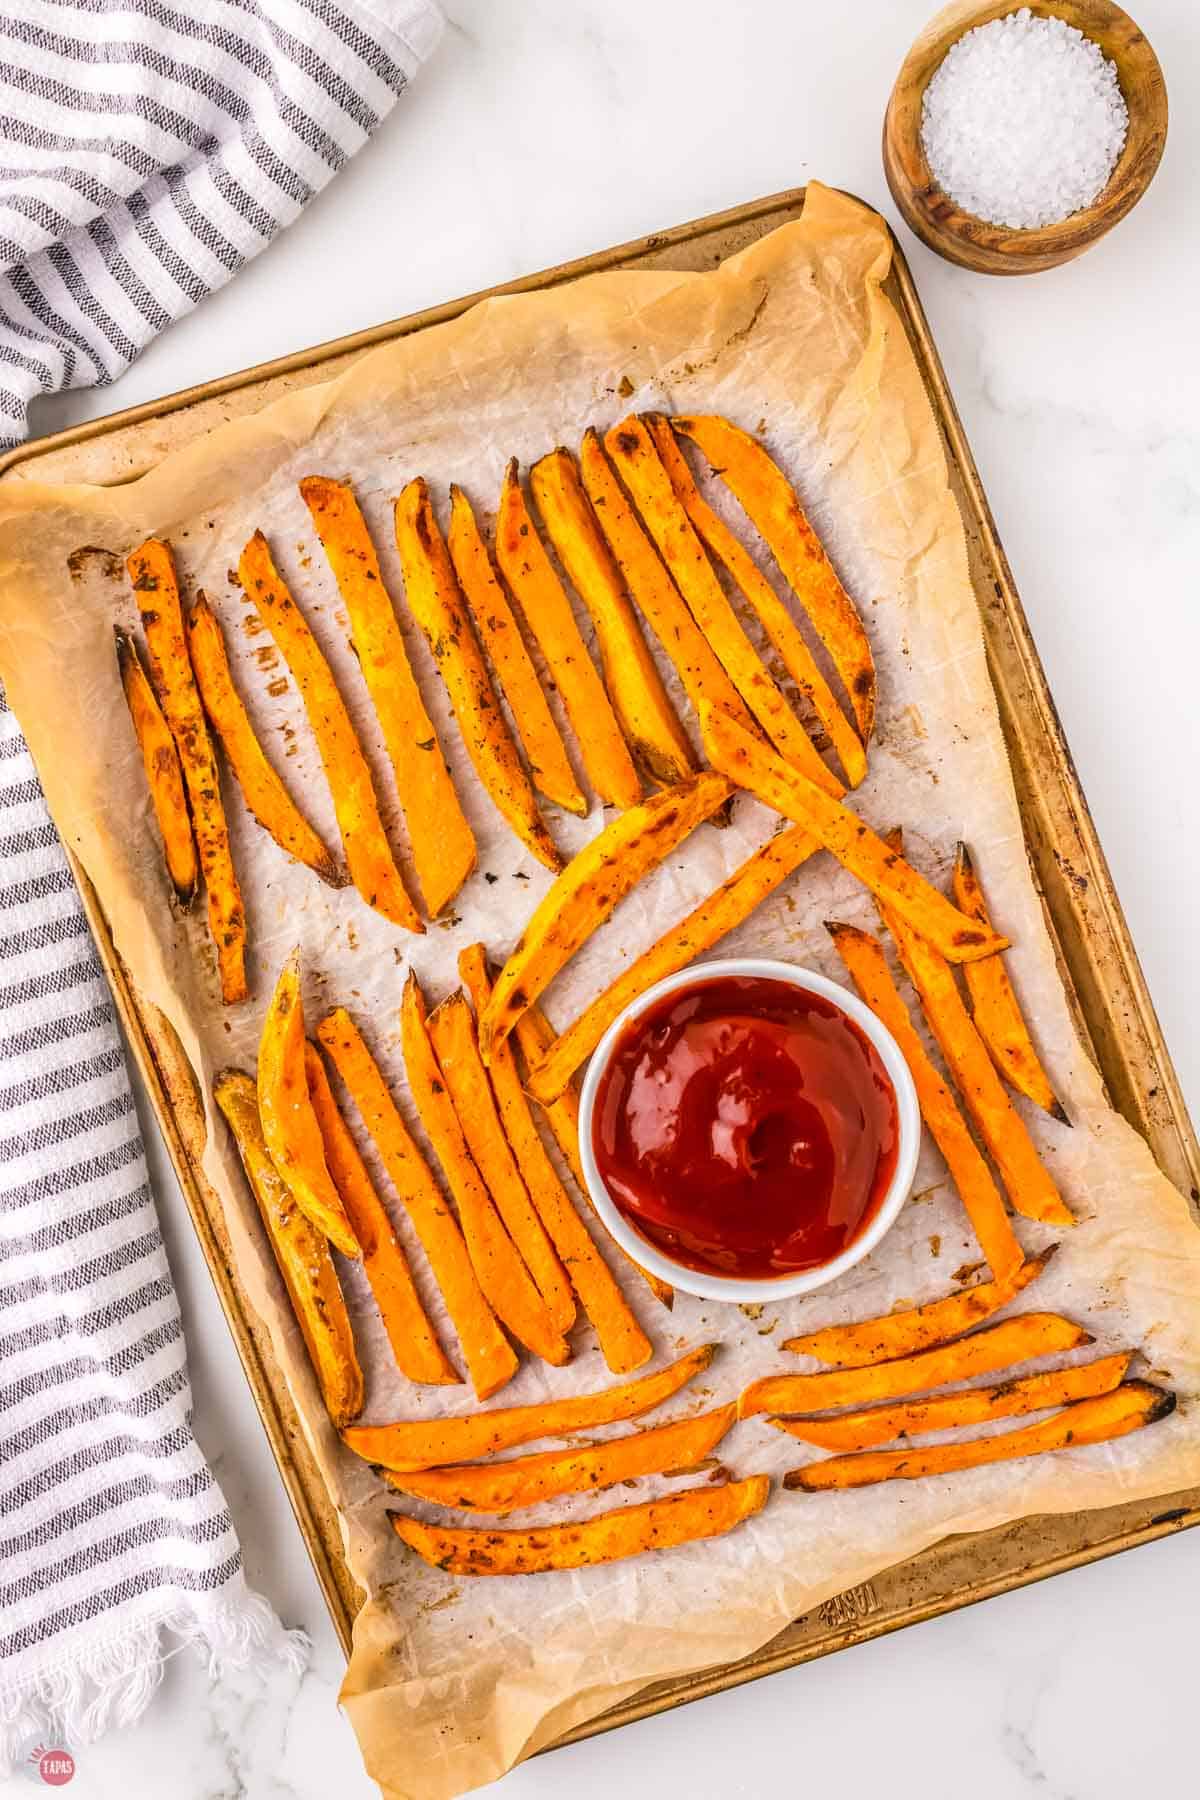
column 450, row 1683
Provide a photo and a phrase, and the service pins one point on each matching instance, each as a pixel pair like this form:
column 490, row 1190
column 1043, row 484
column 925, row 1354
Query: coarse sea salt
column 1023, row 121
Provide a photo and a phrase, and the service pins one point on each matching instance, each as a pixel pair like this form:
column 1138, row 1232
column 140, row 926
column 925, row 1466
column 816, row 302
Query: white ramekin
column 782, row 1287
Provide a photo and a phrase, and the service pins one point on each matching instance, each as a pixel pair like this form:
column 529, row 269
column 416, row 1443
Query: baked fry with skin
column 719, row 913
column 623, row 1343
column 762, row 599
column 637, row 461
column 437, row 605
column 490, row 1358
column 301, row 1253
column 589, row 889
column 873, row 1425
column 658, row 599
column 452, row 1033
column 547, row 612
column 368, row 854
column 414, row 1345
column 510, row 1288
column 432, row 1443
column 534, row 1037
column 1027, row 1181
column 995, row 1007
column 545, row 752
column 152, row 573
column 920, row 1327
column 754, row 766
column 1095, row 1421
column 523, row 1481
column 994, row 1347
column 771, row 503
column 164, row 777
column 701, row 1512
column 646, row 716
column 264, row 793
column 535, row 1034
column 982, row 1200
column 289, row 1122
column 441, row 841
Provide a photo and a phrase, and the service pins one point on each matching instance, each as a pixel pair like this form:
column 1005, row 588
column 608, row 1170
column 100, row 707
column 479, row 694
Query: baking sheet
column 853, row 399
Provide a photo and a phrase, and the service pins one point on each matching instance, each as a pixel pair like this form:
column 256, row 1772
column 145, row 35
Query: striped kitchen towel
column 148, row 149
column 151, row 148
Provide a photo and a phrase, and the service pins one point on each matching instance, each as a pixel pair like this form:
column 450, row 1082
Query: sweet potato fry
column 701, row 1512
column 535, row 1034
column 588, row 890
column 771, row 503
column 504, row 1278
column 468, row 1437
column 160, row 759
column 984, row 1204
column 995, row 1347
column 301, row 1253
column 762, row 599
column 920, row 1327
column 152, row 572
column 442, row 843
column 522, row 1481
column 547, row 612
column 995, row 1007
column 414, row 1345
column 1095, row 1421
column 368, row 854
column 646, row 716
column 490, row 1358
column 632, row 449
column 437, row 605
column 754, row 766
column 262, row 790
column 534, row 1037
column 288, row 1120
column 873, row 1425
column 1026, row 1179
column 659, row 600
column 540, row 737
column 623, row 1343
column 726, row 907
column 452, row 1032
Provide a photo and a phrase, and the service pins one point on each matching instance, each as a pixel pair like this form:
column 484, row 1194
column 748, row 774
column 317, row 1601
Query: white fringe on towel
column 110, row 1682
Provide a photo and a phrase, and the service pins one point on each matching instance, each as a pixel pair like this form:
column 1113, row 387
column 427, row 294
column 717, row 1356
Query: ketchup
column 746, row 1126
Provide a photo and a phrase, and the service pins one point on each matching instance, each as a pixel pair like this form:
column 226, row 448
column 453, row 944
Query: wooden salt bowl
column 997, row 249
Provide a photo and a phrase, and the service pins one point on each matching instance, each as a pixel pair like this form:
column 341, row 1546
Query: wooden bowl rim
column 963, row 236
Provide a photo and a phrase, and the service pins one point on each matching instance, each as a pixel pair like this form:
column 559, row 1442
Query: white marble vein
column 547, row 128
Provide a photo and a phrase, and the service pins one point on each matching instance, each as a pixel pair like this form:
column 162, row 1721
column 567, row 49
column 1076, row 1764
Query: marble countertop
column 544, row 130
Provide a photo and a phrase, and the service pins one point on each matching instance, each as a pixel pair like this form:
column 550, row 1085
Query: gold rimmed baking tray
column 1098, row 960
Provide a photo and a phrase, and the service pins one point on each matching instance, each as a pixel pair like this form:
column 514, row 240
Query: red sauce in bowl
column 746, row 1126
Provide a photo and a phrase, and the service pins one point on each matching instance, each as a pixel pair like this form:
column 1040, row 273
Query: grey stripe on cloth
column 93, row 1506
column 132, row 1586
column 51, row 1330
column 81, row 1464
column 147, row 149
column 63, row 1228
